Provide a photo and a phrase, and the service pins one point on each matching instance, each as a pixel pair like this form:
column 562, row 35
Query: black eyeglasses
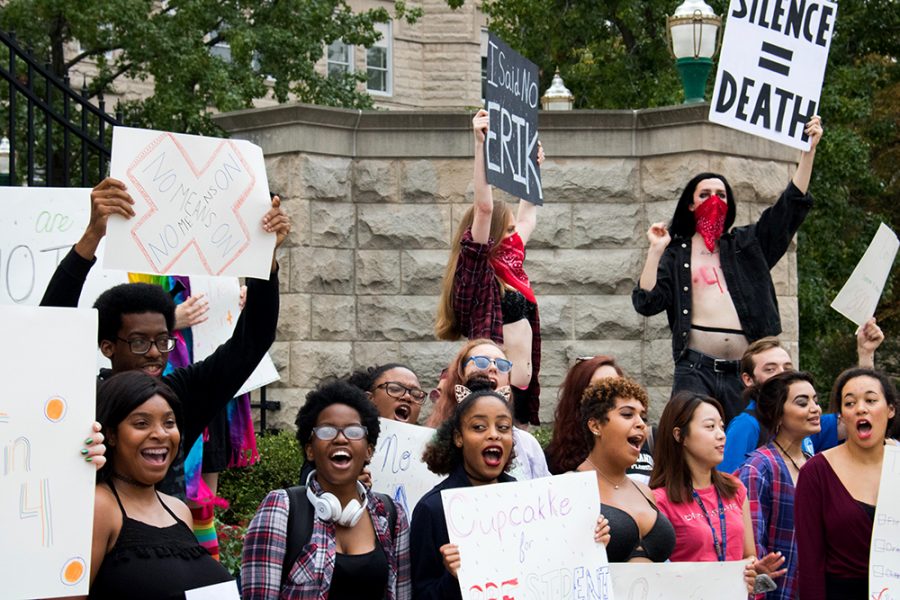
column 326, row 433
column 398, row 390
column 164, row 344
column 483, row 362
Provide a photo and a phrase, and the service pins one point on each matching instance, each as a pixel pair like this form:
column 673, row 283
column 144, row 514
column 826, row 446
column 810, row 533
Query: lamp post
column 557, row 96
column 4, row 161
column 693, row 35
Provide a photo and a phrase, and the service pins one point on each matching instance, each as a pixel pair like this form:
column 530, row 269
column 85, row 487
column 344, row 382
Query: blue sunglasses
column 483, row 362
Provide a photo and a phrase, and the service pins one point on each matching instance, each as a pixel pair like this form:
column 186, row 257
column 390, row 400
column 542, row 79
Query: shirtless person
column 714, row 282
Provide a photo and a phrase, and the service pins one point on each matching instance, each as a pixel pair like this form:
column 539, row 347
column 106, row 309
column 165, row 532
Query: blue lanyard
column 720, row 547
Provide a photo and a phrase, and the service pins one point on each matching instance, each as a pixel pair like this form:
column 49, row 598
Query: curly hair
column 600, row 398
column 772, row 395
column 441, row 454
column 337, row 391
column 446, row 403
column 568, row 448
column 365, row 379
column 131, row 299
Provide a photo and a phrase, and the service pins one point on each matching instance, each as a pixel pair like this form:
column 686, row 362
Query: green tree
column 273, row 46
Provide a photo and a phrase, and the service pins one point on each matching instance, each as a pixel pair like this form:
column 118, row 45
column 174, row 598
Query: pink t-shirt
column 693, row 538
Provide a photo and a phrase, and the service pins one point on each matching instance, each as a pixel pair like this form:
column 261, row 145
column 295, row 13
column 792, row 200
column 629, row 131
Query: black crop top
column 625, row 540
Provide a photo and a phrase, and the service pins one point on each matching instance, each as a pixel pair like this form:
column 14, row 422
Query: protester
column 838, row 489
column 692, row 493
column 395, row 390
column 143, row 546
column 686, row 276
column 473, row 447
column 353, row 552
column 486, row 292
column 613, row 412
column 787, row 406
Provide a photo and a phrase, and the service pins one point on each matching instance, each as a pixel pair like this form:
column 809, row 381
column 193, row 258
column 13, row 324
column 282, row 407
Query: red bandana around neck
column 508, row 265
column 710, row 220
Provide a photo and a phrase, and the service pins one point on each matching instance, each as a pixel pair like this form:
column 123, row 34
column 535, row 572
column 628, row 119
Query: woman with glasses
column 484, row 359
column 354, row 551
column 394, row 389
column 486, row 292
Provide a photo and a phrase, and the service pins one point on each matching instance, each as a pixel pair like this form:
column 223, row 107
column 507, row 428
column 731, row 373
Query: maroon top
column 834, row 532
column 476, row 304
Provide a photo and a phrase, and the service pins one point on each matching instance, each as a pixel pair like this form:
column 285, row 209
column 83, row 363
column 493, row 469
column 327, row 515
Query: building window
column 484, row 54
column 378, row 62
column 340, row 58
column 221, row 50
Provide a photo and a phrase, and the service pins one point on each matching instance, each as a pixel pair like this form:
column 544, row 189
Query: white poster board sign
column 223, row 294
column 676, row 581
column 771, row 67
column 529, row 540
column 397, row 467
column 226, row 590
column 198, row 203
column 46, row 487
column 884, row 558
column 38, row 226
column 859, row 297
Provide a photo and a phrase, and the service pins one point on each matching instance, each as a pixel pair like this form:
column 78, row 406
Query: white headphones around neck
column 328, row 507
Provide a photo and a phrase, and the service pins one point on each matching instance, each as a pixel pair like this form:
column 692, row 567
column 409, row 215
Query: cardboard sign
column 199, row 204
column 511, row 97
column 884, row 557
column 859, row 297
column 670, row 581
column 397, row 467
column 529, row 540
column 771, row 67
column 38, row 227
column 46, row 487
column 223, row 294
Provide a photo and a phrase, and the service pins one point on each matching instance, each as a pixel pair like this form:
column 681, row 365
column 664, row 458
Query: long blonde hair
column 446, row 404
column 446, row 327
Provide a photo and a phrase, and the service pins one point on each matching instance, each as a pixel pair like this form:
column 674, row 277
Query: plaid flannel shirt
column 310, row 576
column 770, row 492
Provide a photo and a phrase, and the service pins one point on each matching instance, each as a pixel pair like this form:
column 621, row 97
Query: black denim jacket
column 747, row 255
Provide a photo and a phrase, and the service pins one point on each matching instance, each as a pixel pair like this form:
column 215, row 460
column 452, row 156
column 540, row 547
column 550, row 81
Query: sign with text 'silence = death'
column 771, row 68
column 511, row 147
column 198, row 202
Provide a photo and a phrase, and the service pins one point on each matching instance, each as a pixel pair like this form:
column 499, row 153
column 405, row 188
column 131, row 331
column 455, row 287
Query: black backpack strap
column 299, row 527
column 391, row 510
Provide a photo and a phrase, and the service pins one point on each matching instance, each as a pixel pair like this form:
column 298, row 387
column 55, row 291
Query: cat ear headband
column 462, row 391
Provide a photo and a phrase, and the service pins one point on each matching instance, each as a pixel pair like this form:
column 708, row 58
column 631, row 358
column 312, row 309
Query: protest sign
column 198, row 202
column 884, row 557
column 38, row 226
column 220, row 591
column 46, row 487
column 674, row 581
column 397, row 467
column 511, row 99
column 859, row 297
column 223, row 294
column 771, row 67
column 529, row 540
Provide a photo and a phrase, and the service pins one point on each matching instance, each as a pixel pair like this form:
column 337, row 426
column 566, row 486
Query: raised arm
column 659, row 239
column 484, row 197
column 868, row 338
column 804, row 168
column 526, row 216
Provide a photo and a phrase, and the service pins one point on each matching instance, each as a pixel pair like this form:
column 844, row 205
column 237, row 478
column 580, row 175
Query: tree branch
column 88, row 53
column 100, row 84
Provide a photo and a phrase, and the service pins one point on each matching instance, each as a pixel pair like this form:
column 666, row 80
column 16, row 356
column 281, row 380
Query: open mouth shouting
column 864, row 429
column 635, row 442
column 157, row 457
column 493, row 456
column 402, row 412
column 340, row 458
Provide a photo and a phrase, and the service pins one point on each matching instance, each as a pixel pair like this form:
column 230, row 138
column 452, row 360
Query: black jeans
column 705, row 375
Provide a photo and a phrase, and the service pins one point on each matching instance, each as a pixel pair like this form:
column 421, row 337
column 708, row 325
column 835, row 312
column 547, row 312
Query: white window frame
column 351, row 51
column 386, row 42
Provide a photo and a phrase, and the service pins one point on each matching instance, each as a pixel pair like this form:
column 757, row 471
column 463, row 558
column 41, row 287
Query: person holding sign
column 358, row 547
column 613, row 413
column 838, row 489
column 708, row 509
column 787, row 406
column 714, row 282
column 486, row 292
column 143, row 546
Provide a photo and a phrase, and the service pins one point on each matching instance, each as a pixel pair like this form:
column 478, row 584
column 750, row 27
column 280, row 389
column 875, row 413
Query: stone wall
column 375, row 197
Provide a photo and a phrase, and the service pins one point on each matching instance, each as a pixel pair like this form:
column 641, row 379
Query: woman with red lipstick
column 708, row 509
column 353, row 552
column 613, row 412
column 143, row 546
column 787, row 405
column 838, row 489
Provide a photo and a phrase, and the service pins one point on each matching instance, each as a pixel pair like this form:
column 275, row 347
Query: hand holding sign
column 109, row 197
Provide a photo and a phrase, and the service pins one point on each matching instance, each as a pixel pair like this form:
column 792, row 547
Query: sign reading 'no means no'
column 512, row 97
column 772, row 65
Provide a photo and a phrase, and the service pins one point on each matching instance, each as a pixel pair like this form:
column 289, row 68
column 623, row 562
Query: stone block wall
column 375, row 198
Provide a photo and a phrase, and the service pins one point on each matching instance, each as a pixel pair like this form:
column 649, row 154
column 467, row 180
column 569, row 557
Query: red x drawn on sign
column 191, row 208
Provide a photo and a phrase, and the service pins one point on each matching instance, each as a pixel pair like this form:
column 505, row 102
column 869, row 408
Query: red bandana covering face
column 508, row 266
column 710, row 219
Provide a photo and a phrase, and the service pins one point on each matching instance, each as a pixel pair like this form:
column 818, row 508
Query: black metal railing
column 65, row 138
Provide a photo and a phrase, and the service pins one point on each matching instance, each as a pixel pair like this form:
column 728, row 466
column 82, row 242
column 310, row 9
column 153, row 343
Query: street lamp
column 557, row 96
column 4, row 160
column 693, row 34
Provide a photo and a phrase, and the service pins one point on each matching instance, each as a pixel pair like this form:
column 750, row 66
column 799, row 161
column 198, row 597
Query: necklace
column 131, row 481
column 786, row 455
column 614, row 484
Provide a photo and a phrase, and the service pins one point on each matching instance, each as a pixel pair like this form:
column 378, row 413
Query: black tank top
column 154, row 563
column 360, row 576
